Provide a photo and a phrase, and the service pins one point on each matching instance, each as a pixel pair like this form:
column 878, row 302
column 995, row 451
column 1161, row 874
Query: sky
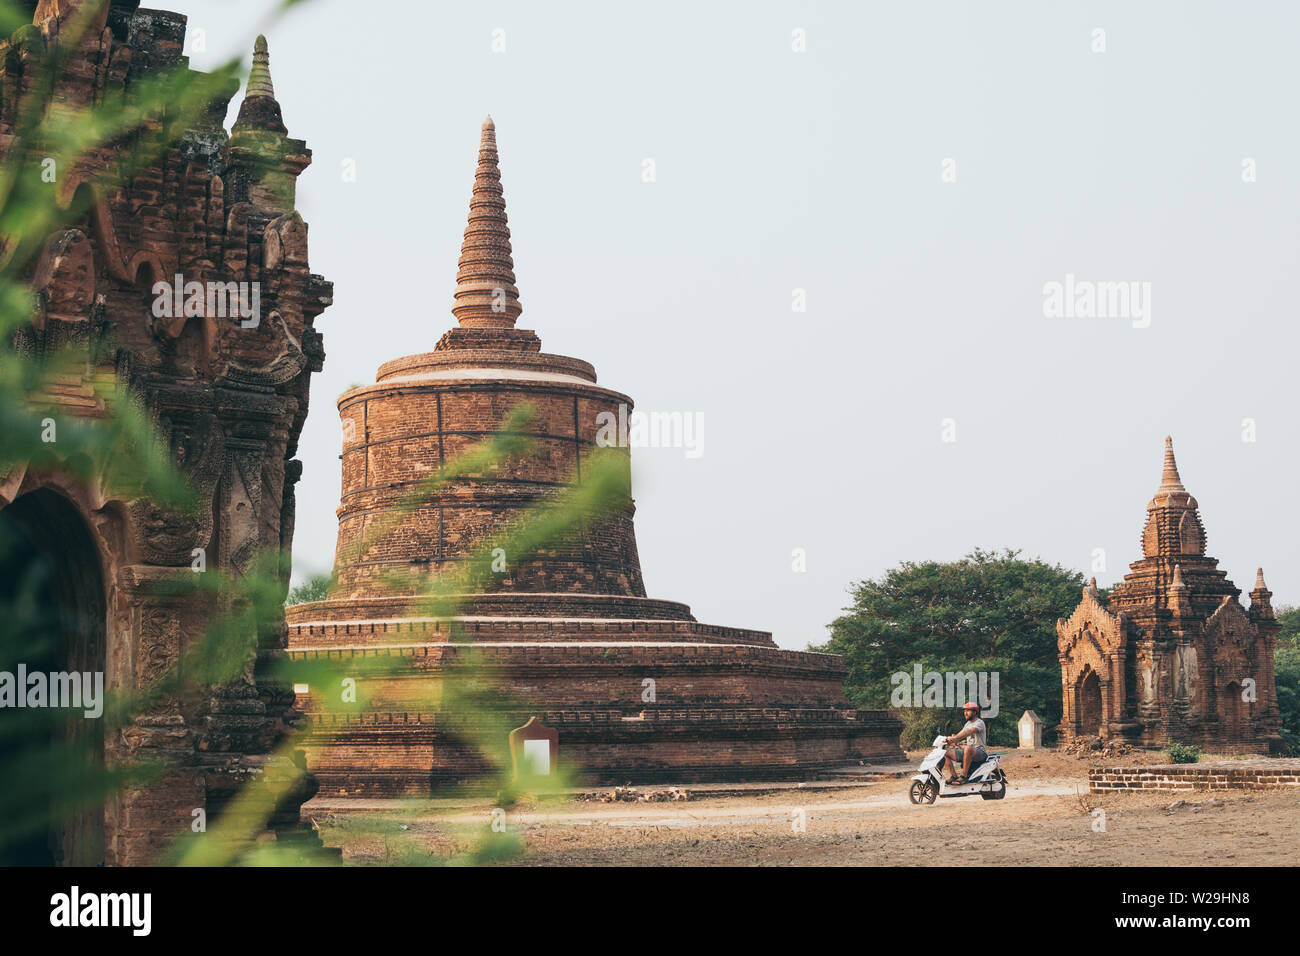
column 916, row 177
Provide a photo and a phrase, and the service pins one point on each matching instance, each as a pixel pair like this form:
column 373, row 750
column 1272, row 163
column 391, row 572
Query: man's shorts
column 979, row 758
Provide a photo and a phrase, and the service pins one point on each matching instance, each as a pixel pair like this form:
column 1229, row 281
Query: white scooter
column 987, row 779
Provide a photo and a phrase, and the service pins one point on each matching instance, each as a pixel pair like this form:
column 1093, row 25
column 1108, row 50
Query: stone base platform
column 483, row 631
column 538, row 605
column 697, row 703
column 389, row 758
column 1224, row 775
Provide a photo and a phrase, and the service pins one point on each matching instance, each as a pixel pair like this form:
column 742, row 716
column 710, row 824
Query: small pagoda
column 635, row 688
column 1172, row 656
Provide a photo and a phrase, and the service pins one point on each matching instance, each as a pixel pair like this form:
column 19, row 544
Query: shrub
column 922, row 724
column 1184, row 753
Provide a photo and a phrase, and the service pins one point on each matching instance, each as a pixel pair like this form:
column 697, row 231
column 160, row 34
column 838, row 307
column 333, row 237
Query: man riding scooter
column 972, row 753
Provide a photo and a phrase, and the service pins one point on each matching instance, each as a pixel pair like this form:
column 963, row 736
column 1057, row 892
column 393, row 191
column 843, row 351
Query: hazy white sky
column 823, row 171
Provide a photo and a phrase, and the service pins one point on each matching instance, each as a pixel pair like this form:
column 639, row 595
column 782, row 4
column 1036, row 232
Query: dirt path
column 1047, row 818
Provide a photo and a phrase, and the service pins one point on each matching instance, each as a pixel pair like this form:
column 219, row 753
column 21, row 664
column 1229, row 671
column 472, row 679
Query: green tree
column 1286, row 663
column 1289, row 618
column 991, row 611
column 313, row 589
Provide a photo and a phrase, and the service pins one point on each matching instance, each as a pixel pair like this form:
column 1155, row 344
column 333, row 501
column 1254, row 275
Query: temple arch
column 1089, row 709
column 51, row 569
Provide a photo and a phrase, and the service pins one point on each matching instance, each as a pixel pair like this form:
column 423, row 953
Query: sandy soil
column 1048, row 818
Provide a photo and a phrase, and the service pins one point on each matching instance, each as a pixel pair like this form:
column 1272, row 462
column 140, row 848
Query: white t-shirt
column 981, row 736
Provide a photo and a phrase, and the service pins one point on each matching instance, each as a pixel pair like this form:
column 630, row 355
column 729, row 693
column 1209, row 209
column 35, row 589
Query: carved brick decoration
column 231, row 397
column 635, row 687
column 1172, row 657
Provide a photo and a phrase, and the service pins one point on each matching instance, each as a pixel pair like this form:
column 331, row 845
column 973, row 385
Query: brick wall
column 390, row 755
column 1234, row 775
column 397, row 433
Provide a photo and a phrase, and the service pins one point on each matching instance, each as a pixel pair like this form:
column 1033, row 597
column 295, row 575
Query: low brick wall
column 1226, row 775
column 406, row 754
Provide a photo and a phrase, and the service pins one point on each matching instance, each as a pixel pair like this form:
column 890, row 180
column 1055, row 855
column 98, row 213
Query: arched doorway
column 53, row 619
column 1090, row 704
column 1231, row 708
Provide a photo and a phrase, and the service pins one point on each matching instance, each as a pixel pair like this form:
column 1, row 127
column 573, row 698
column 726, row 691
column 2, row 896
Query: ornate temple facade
column 1172, row 656
column 228, row 394
column 637, row 689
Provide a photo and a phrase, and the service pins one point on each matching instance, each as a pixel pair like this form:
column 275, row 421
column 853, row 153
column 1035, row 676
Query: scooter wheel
column 923, row 791
column 1001, row 779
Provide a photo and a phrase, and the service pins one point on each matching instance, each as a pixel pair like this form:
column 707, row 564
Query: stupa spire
column 486, row 296
column 259, row 77
column 260, row 109
column 1169, row 479
column 1261, row 599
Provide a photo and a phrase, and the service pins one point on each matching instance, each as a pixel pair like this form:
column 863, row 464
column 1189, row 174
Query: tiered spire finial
column 260, row 109
column 1169, row 479
column 486, row 296
column 259, row 77
column 1261, row 599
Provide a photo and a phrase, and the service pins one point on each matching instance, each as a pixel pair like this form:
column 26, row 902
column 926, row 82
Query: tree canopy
column 315, row 588
column 990, row 612
column 1287, row 665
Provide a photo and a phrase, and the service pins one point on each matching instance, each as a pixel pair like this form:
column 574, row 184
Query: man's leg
column 967, row 756
column 951, row 759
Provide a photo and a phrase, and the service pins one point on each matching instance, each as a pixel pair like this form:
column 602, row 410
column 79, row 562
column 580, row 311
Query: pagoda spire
column 260, row 109
column 1169, row 479
column 1261, row 599
column 259, row 77
column 486, row 296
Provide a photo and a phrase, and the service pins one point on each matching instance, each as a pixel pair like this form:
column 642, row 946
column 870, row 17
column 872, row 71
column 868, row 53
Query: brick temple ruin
column 569, row 633
column 230, row 399
column 1172, row 656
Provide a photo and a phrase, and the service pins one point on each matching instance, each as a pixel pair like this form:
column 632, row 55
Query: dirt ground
column 1048, row 818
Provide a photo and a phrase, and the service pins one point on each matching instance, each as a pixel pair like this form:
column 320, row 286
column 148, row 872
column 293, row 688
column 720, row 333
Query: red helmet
column 970, row 705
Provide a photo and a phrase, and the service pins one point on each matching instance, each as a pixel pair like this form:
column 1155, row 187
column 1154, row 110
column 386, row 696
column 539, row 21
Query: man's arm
column 961, row 736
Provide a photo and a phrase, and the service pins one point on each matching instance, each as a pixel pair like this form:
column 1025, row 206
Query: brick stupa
column 1172, row 656
column 570, row 633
